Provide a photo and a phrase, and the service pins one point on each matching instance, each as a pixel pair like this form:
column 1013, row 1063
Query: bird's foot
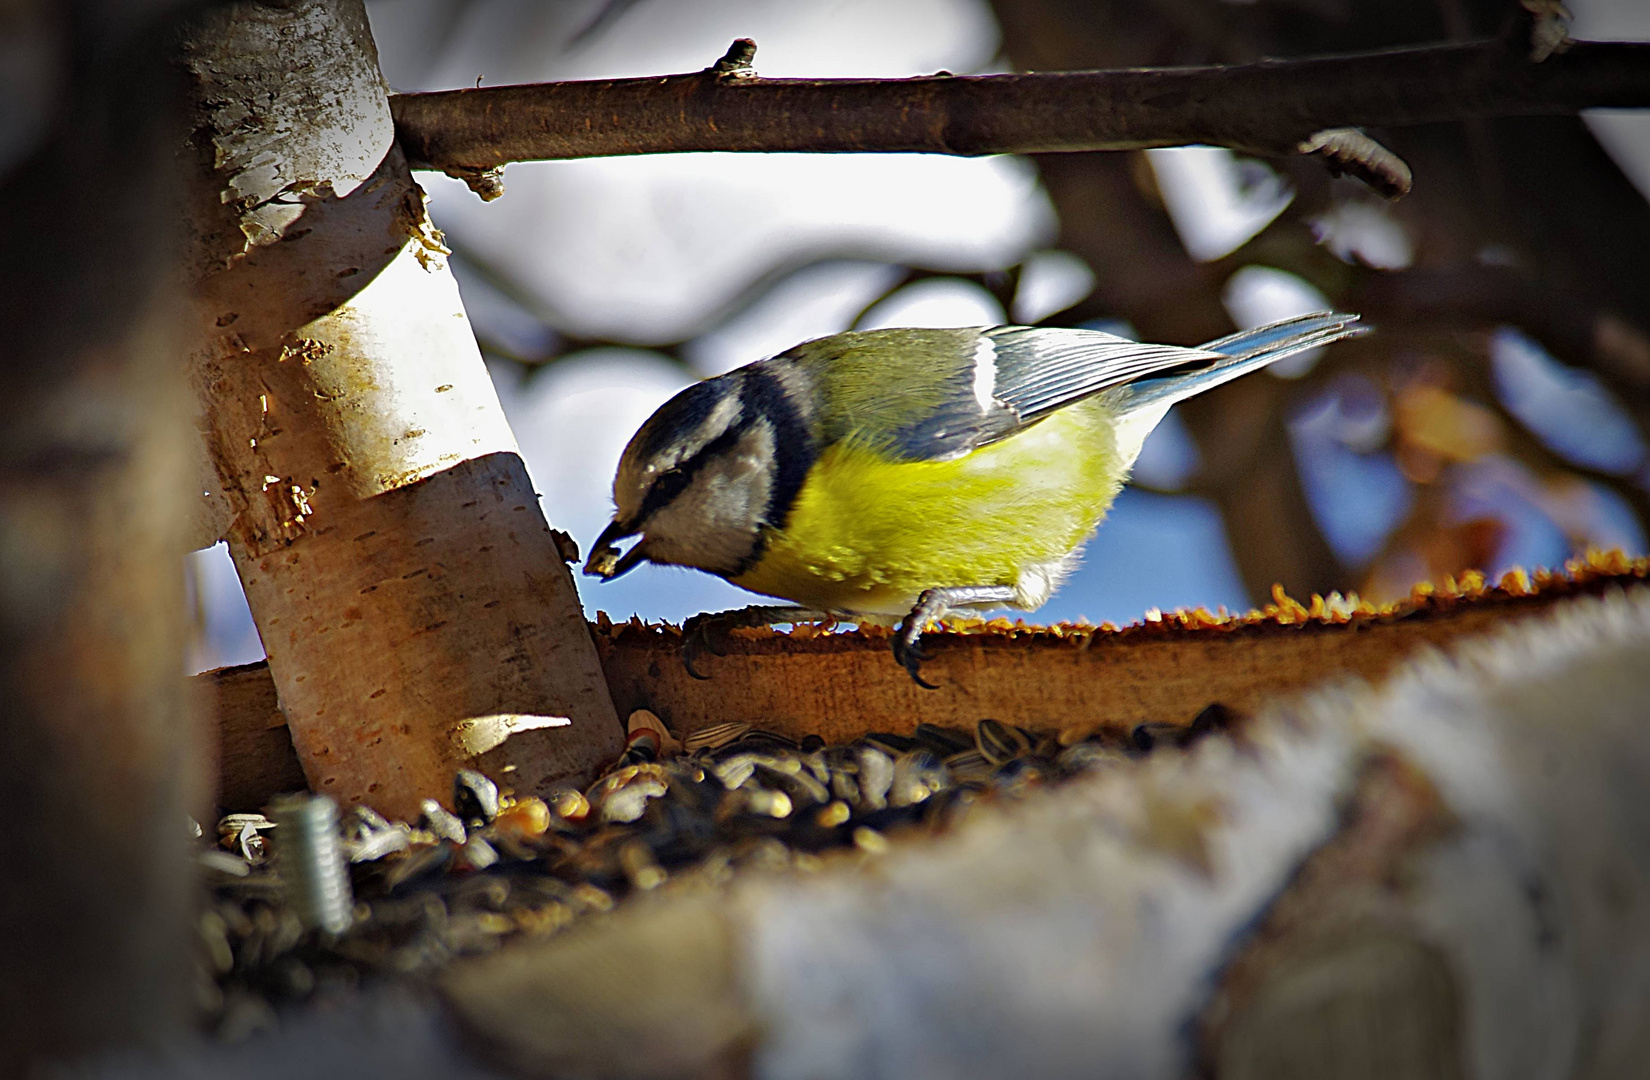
column 931, row 607
column 708, row 632
column 907, row 652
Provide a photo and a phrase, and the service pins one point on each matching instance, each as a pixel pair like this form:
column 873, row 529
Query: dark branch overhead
column 1271, row 107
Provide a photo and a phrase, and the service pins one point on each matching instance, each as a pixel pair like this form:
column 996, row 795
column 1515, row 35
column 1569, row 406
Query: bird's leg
column 708, row 632
column 931, row 607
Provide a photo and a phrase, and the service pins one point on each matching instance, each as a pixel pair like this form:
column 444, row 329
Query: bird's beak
column 605, row 561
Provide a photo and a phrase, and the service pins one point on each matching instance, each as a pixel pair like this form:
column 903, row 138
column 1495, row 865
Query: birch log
column 1445, row 876
column 415, row 610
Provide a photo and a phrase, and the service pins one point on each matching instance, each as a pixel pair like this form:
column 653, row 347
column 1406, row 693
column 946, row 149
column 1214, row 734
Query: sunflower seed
column 1214, row 717
column 443, row 824
column 917, row 775
column 832, row 814
column 362, row 820
column 1000, row 742
column 570, row 805
column 709, row 738
column 1146, row 737
column 943, row 741
column 417, row 864
column 639, row 866
column 800, row 785
column 1086, row 755
column 774, row 804
column 876, row 776
column 889, row 743
column 377, row 845
column 628, row 802
column 969, row 767
column 735, row 799
column 477, row 854
column 845, row 786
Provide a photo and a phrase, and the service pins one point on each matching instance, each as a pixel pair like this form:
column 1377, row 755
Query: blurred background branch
column 1507, row 227
column 94, row 471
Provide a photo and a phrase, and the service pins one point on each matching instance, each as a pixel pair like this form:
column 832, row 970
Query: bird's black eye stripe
column 671, row 482
column 675, row 480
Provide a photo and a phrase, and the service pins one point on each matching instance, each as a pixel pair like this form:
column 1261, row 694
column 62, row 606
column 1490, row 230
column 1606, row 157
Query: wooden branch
column 1271, row 107
column 1067, row 680
column 256, row 758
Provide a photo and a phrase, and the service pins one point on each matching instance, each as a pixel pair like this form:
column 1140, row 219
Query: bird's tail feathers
column 1246, row 351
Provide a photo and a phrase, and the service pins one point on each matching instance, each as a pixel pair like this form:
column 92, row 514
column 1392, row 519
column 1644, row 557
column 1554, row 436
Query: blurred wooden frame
column 1070, row 680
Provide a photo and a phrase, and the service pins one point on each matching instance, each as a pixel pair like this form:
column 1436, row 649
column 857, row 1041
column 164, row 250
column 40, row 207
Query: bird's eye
column 671, row 481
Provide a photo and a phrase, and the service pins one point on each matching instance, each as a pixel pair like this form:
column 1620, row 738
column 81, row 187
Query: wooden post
column 417, row 615
column 98, row 761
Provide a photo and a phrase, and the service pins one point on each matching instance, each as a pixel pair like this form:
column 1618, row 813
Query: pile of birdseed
column 295, row 917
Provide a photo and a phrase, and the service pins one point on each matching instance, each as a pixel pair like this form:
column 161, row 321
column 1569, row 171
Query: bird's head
column 695, row 483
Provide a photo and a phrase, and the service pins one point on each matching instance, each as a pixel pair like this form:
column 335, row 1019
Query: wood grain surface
column 1071, row 680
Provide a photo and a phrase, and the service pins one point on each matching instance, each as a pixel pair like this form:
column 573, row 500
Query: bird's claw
column 908, row 653
column 913, row 665
column 702, row 634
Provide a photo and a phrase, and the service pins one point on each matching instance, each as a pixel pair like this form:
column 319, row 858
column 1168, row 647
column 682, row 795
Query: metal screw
column 314, row 874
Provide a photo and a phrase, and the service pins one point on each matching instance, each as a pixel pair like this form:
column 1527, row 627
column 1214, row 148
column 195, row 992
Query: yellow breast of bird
column 869, row 534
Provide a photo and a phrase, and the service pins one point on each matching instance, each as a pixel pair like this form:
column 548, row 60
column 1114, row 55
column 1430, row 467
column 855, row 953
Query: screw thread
column 314, row 873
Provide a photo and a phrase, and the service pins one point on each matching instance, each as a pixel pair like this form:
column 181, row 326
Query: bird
column 898, row 475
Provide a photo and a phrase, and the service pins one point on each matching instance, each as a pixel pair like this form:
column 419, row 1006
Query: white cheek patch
column 724, row 416
column 985, row 373
column 715, row 522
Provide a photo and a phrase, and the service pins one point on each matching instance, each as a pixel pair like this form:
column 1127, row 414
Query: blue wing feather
column 963, row 389
column 1242, row 352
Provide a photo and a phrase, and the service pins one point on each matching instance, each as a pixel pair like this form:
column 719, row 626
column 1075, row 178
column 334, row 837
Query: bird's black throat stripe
column 765, row 395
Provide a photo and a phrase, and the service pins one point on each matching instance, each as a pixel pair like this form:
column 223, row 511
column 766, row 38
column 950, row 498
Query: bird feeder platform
column 1365, row 861
column 1069, row 680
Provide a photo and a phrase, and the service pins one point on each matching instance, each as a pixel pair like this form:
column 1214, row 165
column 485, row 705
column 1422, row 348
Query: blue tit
column 904, row 474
